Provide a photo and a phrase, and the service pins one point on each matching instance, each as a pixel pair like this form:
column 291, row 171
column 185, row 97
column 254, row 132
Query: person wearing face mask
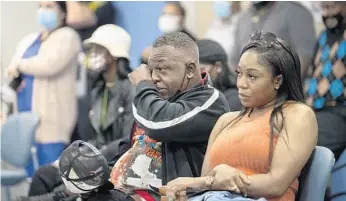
column 107, row 53
column 223, row 27
column 85, row 17
column 172, row 19
column 326, row 91
column 47, row 62
column 289, row 20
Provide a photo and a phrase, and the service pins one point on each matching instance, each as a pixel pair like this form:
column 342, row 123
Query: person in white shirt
column 223, row 27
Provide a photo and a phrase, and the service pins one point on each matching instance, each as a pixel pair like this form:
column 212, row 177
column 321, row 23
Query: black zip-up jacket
column 183, row 124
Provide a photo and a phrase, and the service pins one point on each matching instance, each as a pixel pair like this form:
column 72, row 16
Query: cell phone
column 190, row 192
column 154, row 189
column 15, row 82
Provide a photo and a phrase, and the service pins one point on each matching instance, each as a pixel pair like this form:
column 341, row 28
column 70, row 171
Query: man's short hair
column 178, row 40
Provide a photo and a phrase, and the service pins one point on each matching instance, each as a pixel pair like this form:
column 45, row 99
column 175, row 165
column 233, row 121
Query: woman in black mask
column 213, row 60
column 326, row 90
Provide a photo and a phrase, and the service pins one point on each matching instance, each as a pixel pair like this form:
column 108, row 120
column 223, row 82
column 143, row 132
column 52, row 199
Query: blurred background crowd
column 50, row 63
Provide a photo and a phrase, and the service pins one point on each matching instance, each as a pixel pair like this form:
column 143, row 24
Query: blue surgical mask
column 222, row 9
column 48, row 19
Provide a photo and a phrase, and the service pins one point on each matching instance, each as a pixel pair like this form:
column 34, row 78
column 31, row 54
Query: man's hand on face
column 140, row 74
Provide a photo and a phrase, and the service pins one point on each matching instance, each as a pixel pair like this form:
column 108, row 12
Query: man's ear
column 218, row 66
column 191, row 68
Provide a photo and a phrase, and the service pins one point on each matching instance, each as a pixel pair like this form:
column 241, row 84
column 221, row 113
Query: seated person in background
column 177, row 109
column 269, row 142
column 172, row 19
column 112, row 94
column 327, row 87
column 111, row 110
column 213, row 60
column 85, row 17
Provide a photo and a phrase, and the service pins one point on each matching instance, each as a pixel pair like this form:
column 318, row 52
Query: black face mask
column 260, row 4
column 334, row 22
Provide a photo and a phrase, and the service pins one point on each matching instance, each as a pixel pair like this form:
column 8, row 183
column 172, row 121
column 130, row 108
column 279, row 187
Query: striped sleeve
column 188, row 119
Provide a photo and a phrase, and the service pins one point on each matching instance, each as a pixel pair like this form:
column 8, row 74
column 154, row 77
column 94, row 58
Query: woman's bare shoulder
column 227, row 118
column 296, row 110
column 300, row 117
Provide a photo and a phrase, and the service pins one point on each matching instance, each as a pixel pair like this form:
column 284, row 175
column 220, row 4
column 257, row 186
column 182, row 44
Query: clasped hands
column 224, row 178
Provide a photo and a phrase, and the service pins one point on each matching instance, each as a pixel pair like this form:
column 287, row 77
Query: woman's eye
column 252, row 77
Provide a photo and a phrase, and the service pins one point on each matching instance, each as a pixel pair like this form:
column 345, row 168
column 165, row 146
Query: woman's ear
column 191, row 68
column 278, row 81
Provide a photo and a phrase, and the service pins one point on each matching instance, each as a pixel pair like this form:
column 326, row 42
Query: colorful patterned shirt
column 327, row 85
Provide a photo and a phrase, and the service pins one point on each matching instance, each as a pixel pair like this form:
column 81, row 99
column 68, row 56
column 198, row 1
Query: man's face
column 331, row 8
column 168, row 70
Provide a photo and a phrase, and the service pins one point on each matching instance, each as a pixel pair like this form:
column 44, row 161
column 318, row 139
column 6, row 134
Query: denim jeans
column 221, row 196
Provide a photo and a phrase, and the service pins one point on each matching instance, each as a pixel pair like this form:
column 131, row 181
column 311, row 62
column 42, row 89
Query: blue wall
column 140, row 20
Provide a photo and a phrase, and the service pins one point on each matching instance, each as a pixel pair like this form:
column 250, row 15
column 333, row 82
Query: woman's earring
column 276, row 88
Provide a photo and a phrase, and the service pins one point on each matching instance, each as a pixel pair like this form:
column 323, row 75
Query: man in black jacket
column 175, row 105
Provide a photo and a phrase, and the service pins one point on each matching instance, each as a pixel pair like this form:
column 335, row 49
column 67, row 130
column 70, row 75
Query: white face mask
column 169, row 23
column 97, row 62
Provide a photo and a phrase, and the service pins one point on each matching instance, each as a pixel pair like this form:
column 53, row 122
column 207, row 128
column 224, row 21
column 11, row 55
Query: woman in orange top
column 259, row 151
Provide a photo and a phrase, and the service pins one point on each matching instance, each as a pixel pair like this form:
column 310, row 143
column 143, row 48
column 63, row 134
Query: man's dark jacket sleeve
column 185, row 119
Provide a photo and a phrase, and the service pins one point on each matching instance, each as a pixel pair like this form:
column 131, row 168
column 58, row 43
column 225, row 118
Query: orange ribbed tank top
column 245, row 146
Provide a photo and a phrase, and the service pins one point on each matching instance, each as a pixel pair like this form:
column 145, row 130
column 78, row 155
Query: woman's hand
column 12, row 72
column 229, row 178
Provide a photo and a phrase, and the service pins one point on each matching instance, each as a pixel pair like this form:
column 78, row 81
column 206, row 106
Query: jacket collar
column 205, row 81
